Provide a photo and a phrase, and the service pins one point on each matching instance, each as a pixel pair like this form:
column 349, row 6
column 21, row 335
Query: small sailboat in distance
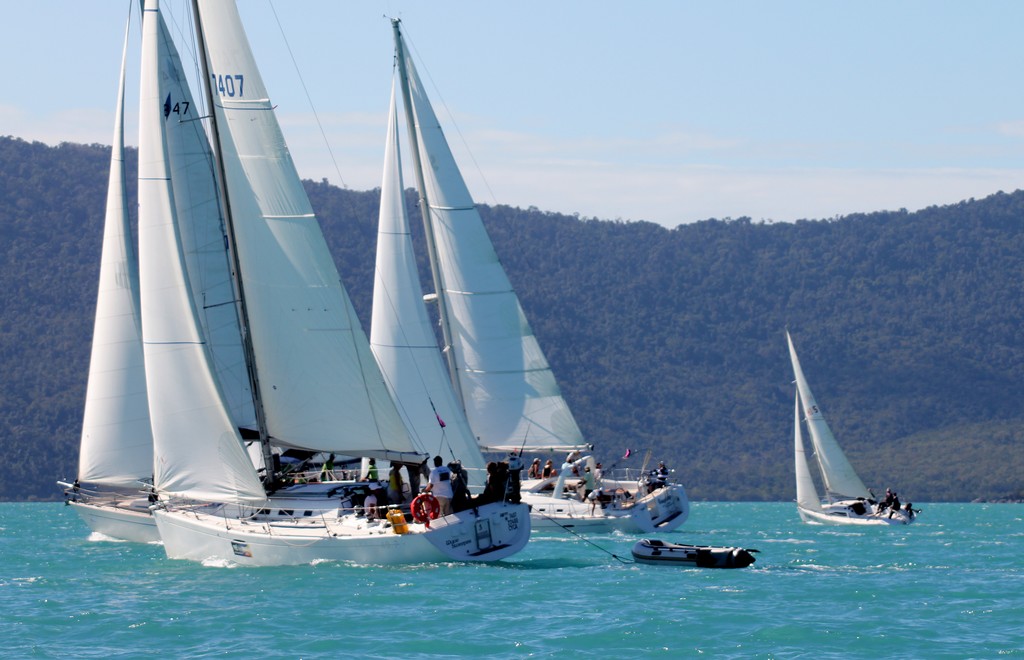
column 847, row 500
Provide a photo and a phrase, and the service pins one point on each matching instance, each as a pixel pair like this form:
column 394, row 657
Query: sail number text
column 232, row 86
column 179, row 108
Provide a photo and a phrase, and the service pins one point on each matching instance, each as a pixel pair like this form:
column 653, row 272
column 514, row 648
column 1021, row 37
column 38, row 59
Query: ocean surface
column 949, row 586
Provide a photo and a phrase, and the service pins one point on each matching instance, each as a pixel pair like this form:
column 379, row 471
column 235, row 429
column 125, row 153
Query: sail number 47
column 229, row 85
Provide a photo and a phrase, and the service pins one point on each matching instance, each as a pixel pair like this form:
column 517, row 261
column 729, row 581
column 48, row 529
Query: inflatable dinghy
column 652, row 551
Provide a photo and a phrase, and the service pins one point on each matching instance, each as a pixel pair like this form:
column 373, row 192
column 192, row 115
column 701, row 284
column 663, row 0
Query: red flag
column 439, row 420
column 627, row 454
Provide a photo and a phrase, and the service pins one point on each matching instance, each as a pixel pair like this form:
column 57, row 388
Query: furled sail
column 508, row 390
column 841, row 481
column 319, row 384
column 401, row 334
column 116, row 445
column 197, row 447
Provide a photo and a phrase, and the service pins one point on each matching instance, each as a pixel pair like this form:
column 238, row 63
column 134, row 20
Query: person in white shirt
column 440, row 485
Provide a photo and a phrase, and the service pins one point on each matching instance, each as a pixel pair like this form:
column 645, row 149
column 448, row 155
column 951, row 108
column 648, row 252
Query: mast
column 435, row 270
column 243, row 314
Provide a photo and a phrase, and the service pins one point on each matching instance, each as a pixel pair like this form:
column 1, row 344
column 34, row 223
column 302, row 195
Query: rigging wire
column 309, row 99
column 586, row 540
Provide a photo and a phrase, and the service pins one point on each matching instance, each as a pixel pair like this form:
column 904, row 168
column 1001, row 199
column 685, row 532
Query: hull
column 843, row 513
column 490, row 533
column 651, row 551
column 661, row 511
column 119, row 522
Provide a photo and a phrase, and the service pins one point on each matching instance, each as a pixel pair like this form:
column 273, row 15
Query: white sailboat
column 503, row 392
column 847, row 501
column 116, row 450
column 314, row 383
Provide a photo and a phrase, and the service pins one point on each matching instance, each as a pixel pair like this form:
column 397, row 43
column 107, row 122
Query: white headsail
column 401, row 335
column 508, row 390
column 116, row 446
column 841, row 481
column 806, row 493
column 197, row 447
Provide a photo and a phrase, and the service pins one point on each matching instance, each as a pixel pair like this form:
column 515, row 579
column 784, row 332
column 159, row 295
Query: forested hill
column 908, row 327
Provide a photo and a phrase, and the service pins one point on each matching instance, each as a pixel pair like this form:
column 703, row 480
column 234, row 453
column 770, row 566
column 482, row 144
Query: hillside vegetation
column 908, row 326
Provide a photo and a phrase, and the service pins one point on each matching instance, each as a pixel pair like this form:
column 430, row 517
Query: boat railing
column 74, row 492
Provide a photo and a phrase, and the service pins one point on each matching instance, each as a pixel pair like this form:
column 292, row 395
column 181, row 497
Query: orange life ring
column 425, row 508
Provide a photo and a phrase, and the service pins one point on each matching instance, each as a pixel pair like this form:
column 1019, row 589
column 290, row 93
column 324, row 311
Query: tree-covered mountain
column 907, row 324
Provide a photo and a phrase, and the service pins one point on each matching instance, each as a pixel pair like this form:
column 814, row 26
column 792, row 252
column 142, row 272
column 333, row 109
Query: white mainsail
column 841, row 481
column 116, row 444
column 320, row 386
column 508, row 390
column 204, row 245
column 806, row 493
column 198, row 451
column 401, row 334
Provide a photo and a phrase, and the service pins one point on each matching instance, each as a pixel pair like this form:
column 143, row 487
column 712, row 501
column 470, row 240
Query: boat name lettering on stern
column 457, row 543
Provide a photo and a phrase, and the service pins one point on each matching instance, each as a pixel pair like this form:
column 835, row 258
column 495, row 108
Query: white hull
column 490, row 533
column 661, row 511
column 130, row 523
column 840, row 513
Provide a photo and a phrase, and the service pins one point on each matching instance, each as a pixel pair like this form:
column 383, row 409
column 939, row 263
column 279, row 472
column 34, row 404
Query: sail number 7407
column 232, row 86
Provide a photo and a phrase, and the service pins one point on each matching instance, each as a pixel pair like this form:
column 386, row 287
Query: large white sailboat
column 116, row 449
column 847, row 501
column 314, row 383
column 497, row 386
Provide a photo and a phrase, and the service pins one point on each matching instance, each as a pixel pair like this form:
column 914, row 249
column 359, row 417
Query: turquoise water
column 951, row 585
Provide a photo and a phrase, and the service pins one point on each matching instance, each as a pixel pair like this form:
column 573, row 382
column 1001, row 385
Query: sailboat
column 500, row 389
column 847, row 500
column 314, row 383
column 116, row 449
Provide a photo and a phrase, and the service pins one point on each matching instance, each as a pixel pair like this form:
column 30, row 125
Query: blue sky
column 666, row 111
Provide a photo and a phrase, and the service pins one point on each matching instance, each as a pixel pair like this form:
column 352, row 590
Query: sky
column 667, row 111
